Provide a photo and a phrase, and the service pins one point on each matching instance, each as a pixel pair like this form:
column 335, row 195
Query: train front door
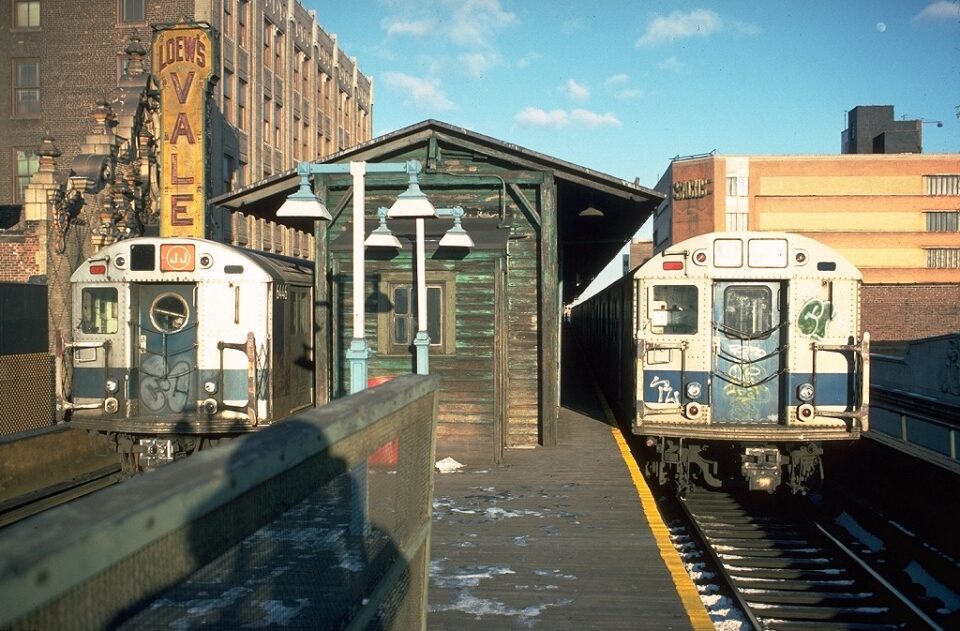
column 167, row 349
column 748, row 352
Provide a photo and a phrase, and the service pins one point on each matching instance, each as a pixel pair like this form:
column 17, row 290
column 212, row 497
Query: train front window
column 169, row 313
column 99, row 310
column 673, row 310
column 748, row 311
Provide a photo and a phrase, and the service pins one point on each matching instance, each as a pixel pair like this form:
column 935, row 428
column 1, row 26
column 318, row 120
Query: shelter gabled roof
column 585, row 244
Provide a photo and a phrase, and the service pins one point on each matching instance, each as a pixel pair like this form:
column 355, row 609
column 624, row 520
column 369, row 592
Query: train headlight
column 210, row 387
column 111, row 386
column 694, row 390
column 805, row 392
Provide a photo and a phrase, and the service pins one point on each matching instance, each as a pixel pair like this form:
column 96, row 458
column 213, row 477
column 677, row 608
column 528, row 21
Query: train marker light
column 700, row 257
column 692, row 410
column 805, row 412
column 98, row 269
column 672, row 265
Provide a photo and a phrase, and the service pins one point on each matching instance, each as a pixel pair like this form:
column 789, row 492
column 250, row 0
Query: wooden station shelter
column 494, row 310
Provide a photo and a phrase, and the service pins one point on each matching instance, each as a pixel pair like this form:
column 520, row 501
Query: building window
column 229, row 169
column 267, row 110
column 242, row 89
column 943, row 258
column 27, row 13
column 133, row 11
column 267, row 44
column 397, row 313
column 296, row 139
column 942, row 220
column 278, row 52
column 26, row 88
column 243, row 9
column 941, row 184
column 228, row 18
column 227, row 108
column 27, row 163
column 277, row 126
column 737, row 186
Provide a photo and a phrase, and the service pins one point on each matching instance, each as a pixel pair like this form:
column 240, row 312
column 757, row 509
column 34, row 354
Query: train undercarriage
column 754, row 466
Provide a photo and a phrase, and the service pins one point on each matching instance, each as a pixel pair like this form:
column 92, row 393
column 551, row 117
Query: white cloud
column 617, row 79
column 593, row 120
column 942, row 10
column 528, row 59
column 672, row 64
column 536, row 117
column 629, row 93
column 477, row 63
column 576, row 91
column 414, row 28
column 425, row 93
column 680, row 25
column 473, row 21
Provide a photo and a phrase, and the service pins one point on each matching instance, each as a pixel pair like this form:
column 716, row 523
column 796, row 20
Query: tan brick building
column 286, row 92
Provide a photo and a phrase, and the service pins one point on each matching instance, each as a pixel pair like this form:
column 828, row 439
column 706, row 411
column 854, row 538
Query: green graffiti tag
column 813, row 318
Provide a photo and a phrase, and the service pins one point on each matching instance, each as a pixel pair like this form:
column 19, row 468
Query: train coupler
column 761, row 468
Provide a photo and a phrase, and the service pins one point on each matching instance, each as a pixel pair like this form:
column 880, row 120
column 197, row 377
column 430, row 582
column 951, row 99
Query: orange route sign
column 176, row 257
column 184, row 62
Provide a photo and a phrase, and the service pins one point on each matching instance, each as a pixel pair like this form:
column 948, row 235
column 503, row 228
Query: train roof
column 758, row 253
column 184, row 259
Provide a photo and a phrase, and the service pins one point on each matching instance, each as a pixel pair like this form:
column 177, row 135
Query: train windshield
column 673, row 309
column 99, row 310
column 748, row 310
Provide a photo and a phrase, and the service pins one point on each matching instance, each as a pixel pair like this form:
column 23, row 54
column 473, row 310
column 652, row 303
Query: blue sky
column 622, row 87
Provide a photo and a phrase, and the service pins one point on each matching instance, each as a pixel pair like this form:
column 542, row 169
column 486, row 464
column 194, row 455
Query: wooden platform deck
column 555, row 538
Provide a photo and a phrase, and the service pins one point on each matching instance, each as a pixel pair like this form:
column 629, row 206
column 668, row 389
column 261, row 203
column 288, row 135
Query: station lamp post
column 412, row 203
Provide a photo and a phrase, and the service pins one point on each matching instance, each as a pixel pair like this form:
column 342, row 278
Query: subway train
column 735, row 355
column 179, row 343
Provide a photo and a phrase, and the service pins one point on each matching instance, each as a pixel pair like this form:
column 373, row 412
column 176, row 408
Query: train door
column 749, row 352
column 167, row 349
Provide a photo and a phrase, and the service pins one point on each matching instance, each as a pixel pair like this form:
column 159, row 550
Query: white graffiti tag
column 164, row 385
column 665, row 392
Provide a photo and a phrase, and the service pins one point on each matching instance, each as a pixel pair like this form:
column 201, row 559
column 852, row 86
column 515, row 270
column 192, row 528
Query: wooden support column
column 549, row 314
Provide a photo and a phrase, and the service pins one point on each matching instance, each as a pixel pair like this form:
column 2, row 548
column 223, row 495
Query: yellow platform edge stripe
column 686, row 590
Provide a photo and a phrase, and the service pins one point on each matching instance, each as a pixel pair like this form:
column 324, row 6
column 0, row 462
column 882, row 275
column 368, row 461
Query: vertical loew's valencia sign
column 184, row 62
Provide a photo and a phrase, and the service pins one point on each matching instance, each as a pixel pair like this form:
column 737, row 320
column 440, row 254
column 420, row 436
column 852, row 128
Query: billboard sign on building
column 184, row 63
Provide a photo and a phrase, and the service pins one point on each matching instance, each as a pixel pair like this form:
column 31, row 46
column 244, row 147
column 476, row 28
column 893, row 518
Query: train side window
column 673, row 310
column 748, row 310
column 99, row 310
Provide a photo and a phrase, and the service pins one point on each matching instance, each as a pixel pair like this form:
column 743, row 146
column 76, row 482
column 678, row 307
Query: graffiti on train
column 813, row 318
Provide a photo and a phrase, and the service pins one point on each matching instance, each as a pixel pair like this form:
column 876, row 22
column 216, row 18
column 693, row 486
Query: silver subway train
column 179, row 343
column 736, row 355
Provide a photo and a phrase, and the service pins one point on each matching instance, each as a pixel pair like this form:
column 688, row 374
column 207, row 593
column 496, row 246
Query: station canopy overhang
column 585, row 241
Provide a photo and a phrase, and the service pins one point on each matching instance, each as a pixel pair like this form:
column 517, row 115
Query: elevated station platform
column 555, row 538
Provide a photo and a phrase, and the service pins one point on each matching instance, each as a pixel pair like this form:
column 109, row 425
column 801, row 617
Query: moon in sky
column 881, row 26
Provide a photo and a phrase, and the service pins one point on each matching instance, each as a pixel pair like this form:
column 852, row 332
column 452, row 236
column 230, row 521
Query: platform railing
column 218, row 518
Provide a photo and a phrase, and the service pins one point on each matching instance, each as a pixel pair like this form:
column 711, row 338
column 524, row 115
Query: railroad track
column 20, row 507
column 786, row 572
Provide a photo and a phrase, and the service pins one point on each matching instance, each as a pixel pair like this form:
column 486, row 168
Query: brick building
column 894, row 216
column 286, row 92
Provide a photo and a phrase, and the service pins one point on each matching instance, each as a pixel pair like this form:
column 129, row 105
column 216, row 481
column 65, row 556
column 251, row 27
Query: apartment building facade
column 285, row 91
